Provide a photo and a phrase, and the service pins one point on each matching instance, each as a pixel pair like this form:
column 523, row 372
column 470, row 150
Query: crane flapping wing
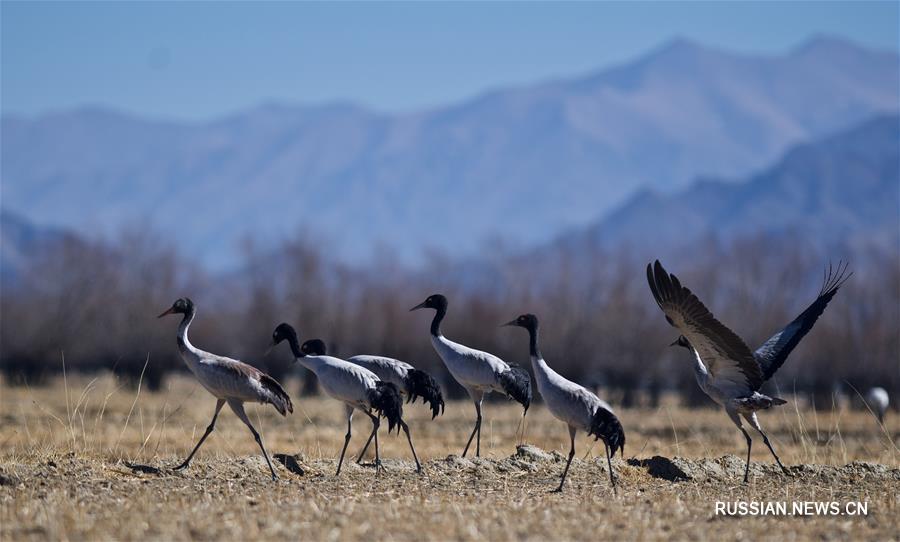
column 772, row 354
column 725, row 355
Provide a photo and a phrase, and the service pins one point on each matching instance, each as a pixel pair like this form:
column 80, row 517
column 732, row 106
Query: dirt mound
column 730, row 467
column 527, row 458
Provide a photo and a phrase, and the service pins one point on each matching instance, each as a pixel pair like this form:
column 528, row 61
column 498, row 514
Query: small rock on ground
column 291, row 463
column 532, row 453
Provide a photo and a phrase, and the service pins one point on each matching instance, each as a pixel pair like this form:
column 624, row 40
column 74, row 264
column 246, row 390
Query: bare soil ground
column 65, row 452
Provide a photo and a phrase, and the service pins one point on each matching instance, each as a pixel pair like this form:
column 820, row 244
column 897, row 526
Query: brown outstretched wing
column 725, row 355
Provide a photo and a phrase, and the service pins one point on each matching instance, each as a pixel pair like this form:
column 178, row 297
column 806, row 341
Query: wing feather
column 237, row 378
column 725, row 355
column 773, row 353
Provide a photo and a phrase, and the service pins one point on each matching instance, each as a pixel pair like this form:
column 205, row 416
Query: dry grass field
column 65, row 452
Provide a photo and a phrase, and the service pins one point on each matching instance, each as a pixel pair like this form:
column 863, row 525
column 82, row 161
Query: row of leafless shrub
column 95, row 304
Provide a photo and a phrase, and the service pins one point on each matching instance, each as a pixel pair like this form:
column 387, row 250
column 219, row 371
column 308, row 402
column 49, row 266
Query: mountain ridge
column 526, row 162
column 840, row 190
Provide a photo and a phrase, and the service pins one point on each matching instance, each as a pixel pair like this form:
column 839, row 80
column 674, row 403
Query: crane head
column 682, row 342
column 181, row 306
column 285, row 332
column 434, row 301
column 314, row 347
column 528, row 321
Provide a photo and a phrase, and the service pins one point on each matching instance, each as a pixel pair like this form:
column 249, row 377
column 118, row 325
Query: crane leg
column 346, row 440
column 755, row 423
column 562, row 481
column 377, row 453
column 749, row 445
column 411, row 447
column 476, row 429
column 521, row 425
column 376, row 423
column 612, row 478
column 766, row 440
column 238, row 409
column 209, row 429
column 478, row 440
column 737, row 421
column 366, row 447
column 524, row 427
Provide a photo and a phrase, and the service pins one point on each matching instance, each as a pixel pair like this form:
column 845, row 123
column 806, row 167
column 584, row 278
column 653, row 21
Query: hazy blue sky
column 200, row 60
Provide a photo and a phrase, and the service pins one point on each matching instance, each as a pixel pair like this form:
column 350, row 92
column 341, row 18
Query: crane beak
column 674, row 343
column 510, row 323
column 170, row 311
column 269, row 349
column 419, row 306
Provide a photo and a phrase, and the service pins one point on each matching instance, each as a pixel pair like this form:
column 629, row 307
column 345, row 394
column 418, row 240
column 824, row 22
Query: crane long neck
column 542, row 372
column 183, row 342
column 700, row 370
column 439, row 314
column 533, row 348
column 294, row 343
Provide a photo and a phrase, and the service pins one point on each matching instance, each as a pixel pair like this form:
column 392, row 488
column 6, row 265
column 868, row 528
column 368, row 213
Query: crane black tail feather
column 277, row 396
column 516, row 382
column 386, row 401
column 605, row 426
column 421, row 384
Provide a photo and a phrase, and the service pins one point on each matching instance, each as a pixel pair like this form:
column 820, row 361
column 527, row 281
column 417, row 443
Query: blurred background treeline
column 96, row 305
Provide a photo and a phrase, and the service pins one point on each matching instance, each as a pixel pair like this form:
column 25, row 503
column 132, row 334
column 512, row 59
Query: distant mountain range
column 20, row 241
column 840, row 193
column 525, row 163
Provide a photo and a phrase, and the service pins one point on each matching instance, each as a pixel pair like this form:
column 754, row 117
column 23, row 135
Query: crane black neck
column 185, row 323
column 533, row 341
column 189, row 315
column 439, row 314
column 294, row 343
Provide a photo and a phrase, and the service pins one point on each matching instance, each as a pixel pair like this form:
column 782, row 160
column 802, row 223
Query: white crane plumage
column 412, row 382
column 572, row 403
column 725, row 368
column 229, row 380
column 478, row 372
column 878, row 400
column 357, row 387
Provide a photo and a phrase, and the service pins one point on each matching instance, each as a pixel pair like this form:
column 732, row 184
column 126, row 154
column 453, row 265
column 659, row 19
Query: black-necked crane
column 412, row 382
column 478, row 372
column 357, row 387
column 725, row 368
column 878, row 400
column 229, row 380
column 572, row 403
